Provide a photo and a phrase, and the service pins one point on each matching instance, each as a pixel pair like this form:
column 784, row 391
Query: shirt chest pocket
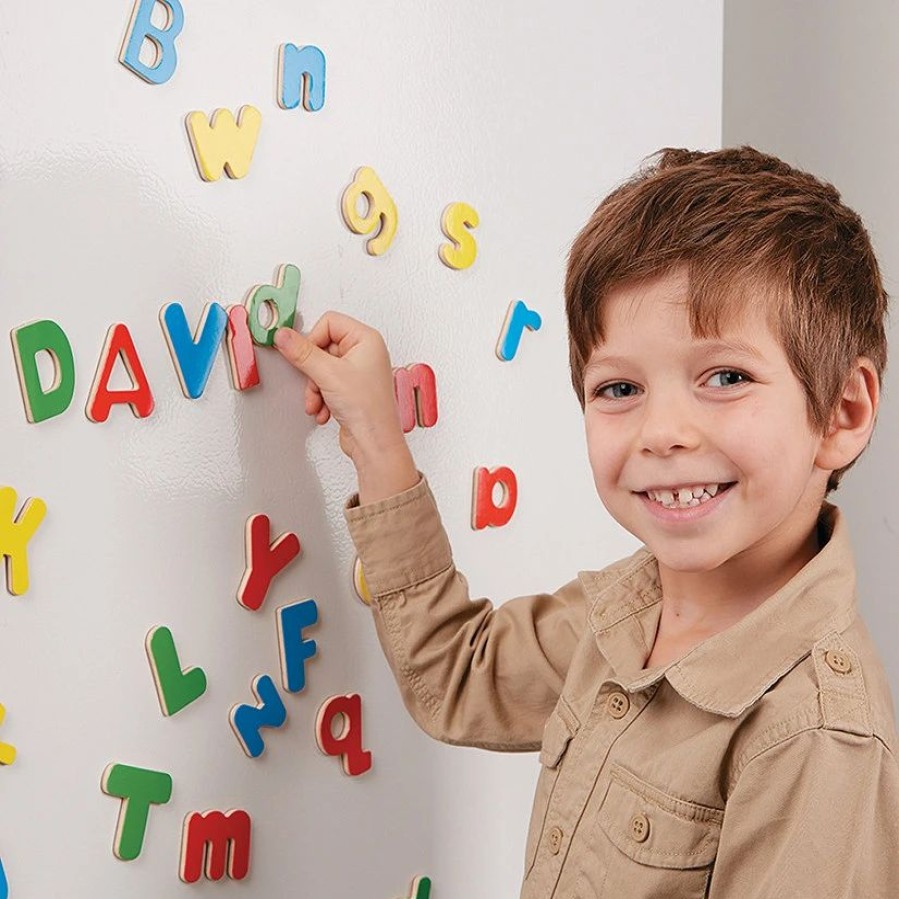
column 560, row 728
column 661, row 845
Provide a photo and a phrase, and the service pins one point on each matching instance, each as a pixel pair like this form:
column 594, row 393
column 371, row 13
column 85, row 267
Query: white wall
column 813, row 85
column 530, row 116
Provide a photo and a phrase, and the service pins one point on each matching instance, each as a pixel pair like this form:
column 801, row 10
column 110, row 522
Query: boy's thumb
column 300, row 352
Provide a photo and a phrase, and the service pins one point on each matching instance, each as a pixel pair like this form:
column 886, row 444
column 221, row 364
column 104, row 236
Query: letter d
column 27, row 342
column 141, row 29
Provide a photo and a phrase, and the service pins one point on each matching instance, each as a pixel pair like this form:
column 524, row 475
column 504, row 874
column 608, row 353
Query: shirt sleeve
column 815, row 815
column 470, row 673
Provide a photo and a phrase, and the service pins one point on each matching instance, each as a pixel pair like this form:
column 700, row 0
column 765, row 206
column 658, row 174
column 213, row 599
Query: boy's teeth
column 685, row 496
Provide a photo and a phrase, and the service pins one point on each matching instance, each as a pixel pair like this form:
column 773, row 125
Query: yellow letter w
column 221, row 143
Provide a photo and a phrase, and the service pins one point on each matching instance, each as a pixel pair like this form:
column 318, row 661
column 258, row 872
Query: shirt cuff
column 400, row 540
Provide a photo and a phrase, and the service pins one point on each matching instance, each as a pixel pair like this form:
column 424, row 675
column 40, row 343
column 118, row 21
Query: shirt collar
column 726, row 673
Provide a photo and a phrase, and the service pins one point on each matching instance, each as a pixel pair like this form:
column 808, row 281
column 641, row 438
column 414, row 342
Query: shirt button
column 618, row 705
column 838, row 661
column 640, row 828
column 555, row 840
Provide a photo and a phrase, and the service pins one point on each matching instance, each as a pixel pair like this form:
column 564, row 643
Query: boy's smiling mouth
column 685, row 499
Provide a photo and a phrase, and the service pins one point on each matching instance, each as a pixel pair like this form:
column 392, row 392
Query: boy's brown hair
column 748, row 227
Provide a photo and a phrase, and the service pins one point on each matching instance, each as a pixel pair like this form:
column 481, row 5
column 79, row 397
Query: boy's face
column 682, row 417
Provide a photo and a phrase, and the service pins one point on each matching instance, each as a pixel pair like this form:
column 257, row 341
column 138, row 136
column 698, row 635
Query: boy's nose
column 669, row 423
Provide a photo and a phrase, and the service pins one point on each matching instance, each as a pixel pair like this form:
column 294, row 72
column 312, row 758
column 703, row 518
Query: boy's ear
column 853, row 421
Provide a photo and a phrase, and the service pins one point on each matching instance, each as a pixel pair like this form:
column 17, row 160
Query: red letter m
column 214, row 837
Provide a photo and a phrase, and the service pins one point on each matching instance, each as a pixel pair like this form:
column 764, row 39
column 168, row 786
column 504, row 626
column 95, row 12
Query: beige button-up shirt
column 762, row 763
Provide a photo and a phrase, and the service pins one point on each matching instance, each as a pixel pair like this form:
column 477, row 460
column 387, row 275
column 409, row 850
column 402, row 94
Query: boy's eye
column 599, row 391
column 728, row 371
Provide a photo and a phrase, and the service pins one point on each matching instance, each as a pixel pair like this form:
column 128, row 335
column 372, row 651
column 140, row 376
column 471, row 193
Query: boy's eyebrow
column 702, row 348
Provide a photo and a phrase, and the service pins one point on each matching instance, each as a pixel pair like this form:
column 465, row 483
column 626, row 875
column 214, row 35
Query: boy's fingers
column 301, row 353
column 337, row 333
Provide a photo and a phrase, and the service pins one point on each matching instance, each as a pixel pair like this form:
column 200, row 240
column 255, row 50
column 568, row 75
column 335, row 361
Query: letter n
column 301, row 70
column 211, row 841
column 415, row 388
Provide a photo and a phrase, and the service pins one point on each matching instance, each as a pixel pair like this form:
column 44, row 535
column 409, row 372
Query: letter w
column 221, row 143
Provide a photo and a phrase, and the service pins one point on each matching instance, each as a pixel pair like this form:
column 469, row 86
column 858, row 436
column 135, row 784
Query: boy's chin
column 686, row 561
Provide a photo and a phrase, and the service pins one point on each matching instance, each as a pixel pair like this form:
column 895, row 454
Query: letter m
column 212, row 840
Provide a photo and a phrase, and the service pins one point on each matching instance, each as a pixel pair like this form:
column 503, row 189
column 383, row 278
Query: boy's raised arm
column 469, row 673
column 349, row 377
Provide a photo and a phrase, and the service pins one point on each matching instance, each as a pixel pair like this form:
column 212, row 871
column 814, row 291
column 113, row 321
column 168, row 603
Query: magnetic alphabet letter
column 518, row 317
column 421, row 888
column 27, row 342
column 484, row 510
column 193, row 356
column 295, row 650
column 301, row 69
column 102, row 399
column 138, row 788
column 241, row 352
column 15, row 534
column 7, row 752
column 381, row 210
column 415, row 388
column 175, row 687
column 163, row 39
column 264, row 561
column 248, row 720
column 221, row 143
column 348, row 745
column 212, row 840
column 281, row 300
column 457, row 218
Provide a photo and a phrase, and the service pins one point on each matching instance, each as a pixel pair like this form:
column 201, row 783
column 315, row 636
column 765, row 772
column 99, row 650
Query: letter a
column 222, row 143
column 142, row 29
column 102, row 399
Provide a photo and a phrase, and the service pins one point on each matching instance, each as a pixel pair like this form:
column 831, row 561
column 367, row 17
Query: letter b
column 141, row 28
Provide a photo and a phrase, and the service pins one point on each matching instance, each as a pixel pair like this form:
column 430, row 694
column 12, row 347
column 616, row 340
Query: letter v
column 264, row 561
column 193, row 356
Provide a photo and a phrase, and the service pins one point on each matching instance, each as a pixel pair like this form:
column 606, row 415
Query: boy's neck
column 700, row 606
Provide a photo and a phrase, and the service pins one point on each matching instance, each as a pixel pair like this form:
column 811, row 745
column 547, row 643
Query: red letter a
column 102, row 399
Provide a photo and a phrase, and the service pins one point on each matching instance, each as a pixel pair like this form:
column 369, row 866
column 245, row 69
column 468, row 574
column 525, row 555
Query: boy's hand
column 350, row 378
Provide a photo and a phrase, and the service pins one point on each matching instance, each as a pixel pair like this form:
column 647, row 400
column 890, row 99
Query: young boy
column 712, row 715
